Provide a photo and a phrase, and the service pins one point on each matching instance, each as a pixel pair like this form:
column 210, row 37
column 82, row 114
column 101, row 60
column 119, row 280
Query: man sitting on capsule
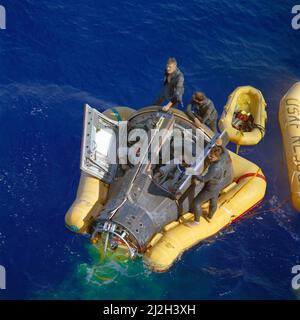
column 202, row 109
column 218, row 176
column 173, row 86
column 170, row 175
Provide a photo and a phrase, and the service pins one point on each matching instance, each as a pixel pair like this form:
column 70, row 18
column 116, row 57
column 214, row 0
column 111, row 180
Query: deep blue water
column 57, row 55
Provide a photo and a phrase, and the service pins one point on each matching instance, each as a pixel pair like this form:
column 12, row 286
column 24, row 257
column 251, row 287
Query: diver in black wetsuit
column 173, row 86
column 218, row 176
column 202, row 110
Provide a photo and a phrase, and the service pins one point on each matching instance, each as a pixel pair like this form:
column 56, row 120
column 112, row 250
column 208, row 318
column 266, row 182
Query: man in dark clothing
column 202, row 109
column 218, row 176
column 171, row 175
column 173, row 86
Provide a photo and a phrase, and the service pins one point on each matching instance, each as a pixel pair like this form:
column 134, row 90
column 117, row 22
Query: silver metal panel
column 98, row 149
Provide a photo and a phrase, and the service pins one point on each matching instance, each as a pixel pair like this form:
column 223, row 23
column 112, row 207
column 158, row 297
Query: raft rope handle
column 253, row 175
column 250, row 174
column 260, row 128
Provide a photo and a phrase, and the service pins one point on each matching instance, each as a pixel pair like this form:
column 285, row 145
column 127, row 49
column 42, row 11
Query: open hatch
column 99, row 145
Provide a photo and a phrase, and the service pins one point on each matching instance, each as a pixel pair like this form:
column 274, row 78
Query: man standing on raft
column 218, row 176
column 173, row 86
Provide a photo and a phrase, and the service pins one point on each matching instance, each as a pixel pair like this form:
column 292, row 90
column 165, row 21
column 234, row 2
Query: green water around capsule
column 114, row 276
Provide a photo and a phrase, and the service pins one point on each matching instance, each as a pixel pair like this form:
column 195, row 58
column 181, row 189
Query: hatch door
column 99, row 145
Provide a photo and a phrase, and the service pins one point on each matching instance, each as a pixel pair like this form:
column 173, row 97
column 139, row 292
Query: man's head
column 171, row 65
column 219, row 142
column 198, row 97
column 215, row 154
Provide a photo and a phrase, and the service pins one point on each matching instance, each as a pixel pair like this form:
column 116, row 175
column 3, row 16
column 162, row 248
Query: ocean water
column 57, row 55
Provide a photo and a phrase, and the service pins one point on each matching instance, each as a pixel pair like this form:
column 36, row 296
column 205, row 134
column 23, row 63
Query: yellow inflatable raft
column 241, row 196
column 289, row 119
column 92, row 192
column 246, row 99
column 165, row 247
column 90, row 199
